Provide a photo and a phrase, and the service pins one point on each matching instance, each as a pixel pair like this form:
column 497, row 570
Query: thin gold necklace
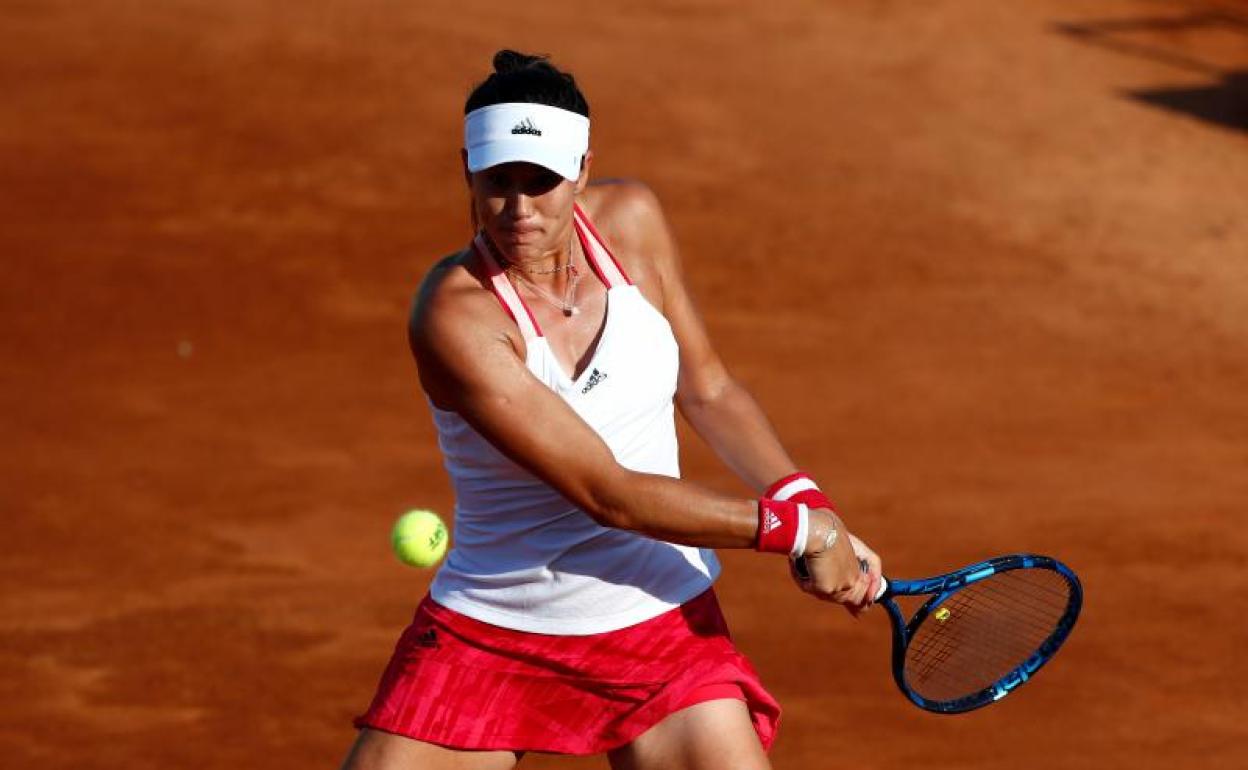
column 566, row 304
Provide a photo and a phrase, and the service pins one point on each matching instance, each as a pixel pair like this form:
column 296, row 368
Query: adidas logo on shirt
column 526, row 127
column 595, row 377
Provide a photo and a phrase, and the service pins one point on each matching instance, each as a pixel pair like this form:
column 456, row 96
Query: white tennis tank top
column 522, row 556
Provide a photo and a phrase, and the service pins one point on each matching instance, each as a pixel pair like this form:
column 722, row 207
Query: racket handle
column 799, row 564
column 862, row 564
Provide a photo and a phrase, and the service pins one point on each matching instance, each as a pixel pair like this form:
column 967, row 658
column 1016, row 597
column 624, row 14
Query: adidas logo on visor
column 526, row 127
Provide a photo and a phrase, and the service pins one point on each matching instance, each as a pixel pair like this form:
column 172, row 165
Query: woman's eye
column 543, row 183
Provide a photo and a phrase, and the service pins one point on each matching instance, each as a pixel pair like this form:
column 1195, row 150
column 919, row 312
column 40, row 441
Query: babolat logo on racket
column 526, row 127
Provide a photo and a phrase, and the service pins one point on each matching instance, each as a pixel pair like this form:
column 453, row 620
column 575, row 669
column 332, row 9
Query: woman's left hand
column 875, row 568
column 875, row 573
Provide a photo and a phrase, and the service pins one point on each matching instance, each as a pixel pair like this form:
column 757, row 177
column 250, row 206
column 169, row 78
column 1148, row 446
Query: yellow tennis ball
column 419, row 538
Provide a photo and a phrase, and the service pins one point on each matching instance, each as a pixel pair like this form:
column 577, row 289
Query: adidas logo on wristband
column 775, row 535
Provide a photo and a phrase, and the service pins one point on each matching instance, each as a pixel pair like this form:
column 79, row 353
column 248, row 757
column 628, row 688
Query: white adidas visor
column 514, row 132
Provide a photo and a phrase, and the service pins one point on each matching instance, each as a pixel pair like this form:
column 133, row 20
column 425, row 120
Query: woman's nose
column 520, row 205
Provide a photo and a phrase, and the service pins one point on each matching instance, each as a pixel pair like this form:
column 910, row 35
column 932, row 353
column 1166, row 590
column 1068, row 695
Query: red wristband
column 782, row 527
column 799, row 488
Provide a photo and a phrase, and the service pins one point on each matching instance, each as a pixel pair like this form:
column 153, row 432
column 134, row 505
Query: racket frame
column 944, row 586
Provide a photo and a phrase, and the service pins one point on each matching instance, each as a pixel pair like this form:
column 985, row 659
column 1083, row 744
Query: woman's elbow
column 610, row 499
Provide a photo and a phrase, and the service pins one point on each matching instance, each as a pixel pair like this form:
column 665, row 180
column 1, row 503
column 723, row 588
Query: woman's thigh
column 378, row 750
column 713, row 735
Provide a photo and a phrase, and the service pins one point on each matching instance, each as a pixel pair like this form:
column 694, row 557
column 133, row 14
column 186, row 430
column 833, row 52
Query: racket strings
column 984, row 631
column 980, row 618
column 1018, row 606
column 948, row 670
column 1001, row 637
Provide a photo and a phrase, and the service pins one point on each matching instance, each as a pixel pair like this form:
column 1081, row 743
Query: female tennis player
column 575, row 612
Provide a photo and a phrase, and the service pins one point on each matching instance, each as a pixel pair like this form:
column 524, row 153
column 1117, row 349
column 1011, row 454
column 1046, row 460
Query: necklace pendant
column 570, row 311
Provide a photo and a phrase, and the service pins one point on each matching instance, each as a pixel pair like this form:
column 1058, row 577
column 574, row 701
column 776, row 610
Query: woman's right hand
column 835, row 574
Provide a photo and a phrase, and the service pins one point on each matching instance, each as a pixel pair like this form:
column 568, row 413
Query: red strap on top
column 600, row 259
column 603, row 262
column 507, row 295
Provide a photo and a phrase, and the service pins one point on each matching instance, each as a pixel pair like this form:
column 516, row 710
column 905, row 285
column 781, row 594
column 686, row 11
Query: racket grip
column 862, row 564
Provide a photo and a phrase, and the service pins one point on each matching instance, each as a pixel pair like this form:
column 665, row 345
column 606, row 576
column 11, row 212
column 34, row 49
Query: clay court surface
column 984, row 263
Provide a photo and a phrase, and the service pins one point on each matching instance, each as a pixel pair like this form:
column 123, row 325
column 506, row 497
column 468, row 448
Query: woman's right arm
column 469, row 364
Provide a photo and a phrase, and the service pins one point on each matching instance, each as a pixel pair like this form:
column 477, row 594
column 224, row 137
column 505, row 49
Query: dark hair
column 520, row 77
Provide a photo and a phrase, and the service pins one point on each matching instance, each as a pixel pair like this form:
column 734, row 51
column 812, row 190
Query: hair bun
column 522, row 77
column 507, row 60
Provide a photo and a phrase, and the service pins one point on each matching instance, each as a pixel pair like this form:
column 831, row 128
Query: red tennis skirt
column 464, row 684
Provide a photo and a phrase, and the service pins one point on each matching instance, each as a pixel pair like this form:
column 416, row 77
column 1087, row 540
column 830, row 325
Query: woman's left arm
column 718, row 407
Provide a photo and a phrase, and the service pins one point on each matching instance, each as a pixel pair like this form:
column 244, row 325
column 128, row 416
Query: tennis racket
column 983, row 630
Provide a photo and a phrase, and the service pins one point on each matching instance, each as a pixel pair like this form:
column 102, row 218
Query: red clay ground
column 997, row 302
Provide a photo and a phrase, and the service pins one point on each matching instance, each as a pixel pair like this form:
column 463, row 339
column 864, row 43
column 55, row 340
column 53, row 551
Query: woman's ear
column 582, row 181
column 463, row 158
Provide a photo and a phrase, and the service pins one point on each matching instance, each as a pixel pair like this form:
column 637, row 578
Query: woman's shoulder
column 451, row 293
column 622, row 204
column 448, row 278
column 628, row 214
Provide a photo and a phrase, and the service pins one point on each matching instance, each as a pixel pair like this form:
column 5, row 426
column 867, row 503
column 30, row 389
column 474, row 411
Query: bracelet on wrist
column 829, row 540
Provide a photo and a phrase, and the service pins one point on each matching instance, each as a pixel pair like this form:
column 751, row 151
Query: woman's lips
column 519, row 233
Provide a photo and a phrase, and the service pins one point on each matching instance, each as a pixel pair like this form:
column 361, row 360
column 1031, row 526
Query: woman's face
column 524, row 208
